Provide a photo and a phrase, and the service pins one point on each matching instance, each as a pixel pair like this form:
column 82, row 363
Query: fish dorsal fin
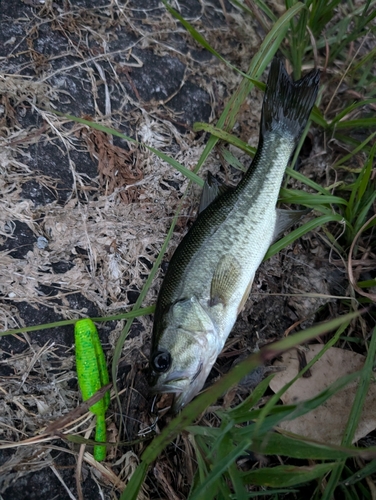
column 286, row 219
column 225, row 280
column 213, row 188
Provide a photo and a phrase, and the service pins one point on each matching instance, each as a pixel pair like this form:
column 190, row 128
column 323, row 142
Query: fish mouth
column 181, row 384
column 175, row 382
column 183, row 398
column 166, row 389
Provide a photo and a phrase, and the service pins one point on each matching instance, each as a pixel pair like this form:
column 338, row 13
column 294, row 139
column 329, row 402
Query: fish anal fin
column 245, row 297
column 286, row 219
column 225, row 281
column 213, row 188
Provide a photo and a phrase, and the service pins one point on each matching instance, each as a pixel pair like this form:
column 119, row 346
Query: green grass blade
column 258, row 64
column 210, row 433
column 231, row 159
column 366, row 173
column 359, row 187
column 272, row 493
column 305, row 180
column 288, row 445
column 369, row 57
column 232, row 471
column 263, row 7
column 368, row 470
column 367, row 283
column 133, row 488
column 353, row 124
column 131, row 314
column 241, row 492
column 301, row 231
column 363, row 214
column 358, row 147
column 243, row 409
column 221, row 437
column 361, row 393
column 225, row 136
column 298, row 36
column 201, row 462
column 219, row 468
column 286, row 475
column 318, row 118
column 310, row 200
column 294, row 159
column 349, row 109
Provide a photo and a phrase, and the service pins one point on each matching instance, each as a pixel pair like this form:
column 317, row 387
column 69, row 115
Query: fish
column 211, row 272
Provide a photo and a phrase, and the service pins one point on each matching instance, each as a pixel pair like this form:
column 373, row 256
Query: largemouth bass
column 211, row 272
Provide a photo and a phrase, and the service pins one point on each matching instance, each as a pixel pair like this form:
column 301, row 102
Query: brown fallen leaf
column 117, row 167
column 327, row 422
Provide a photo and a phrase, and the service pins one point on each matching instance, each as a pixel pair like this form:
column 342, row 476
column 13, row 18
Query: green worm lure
column 92, row 375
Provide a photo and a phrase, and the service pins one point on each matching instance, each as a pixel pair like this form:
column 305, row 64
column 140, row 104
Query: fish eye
column 161, row 361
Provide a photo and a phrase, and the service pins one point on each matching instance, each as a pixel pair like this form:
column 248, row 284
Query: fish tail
column 288, row 104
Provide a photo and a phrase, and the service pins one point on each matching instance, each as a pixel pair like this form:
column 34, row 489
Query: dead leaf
column 327, row 422
column 117, row 167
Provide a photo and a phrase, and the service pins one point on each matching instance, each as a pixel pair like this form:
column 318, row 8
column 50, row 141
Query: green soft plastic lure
column 92, row 376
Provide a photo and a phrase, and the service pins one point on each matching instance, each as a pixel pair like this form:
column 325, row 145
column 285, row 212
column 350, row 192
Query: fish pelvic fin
column 288, row 104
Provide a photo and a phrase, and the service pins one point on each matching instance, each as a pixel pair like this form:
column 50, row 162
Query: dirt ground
column 83, row 215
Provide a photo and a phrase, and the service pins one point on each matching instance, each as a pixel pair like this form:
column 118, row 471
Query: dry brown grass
column 118, row 219
column 110, row 227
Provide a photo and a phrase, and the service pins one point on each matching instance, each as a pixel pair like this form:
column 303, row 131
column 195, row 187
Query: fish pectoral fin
column 286, row 219
column 213, row 188
column 224, row 282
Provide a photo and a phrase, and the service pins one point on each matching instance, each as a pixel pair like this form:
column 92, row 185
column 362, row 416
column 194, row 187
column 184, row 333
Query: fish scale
column 211, row 272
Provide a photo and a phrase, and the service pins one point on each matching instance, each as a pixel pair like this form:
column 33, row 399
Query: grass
column 217, row 449
column 334, row 35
